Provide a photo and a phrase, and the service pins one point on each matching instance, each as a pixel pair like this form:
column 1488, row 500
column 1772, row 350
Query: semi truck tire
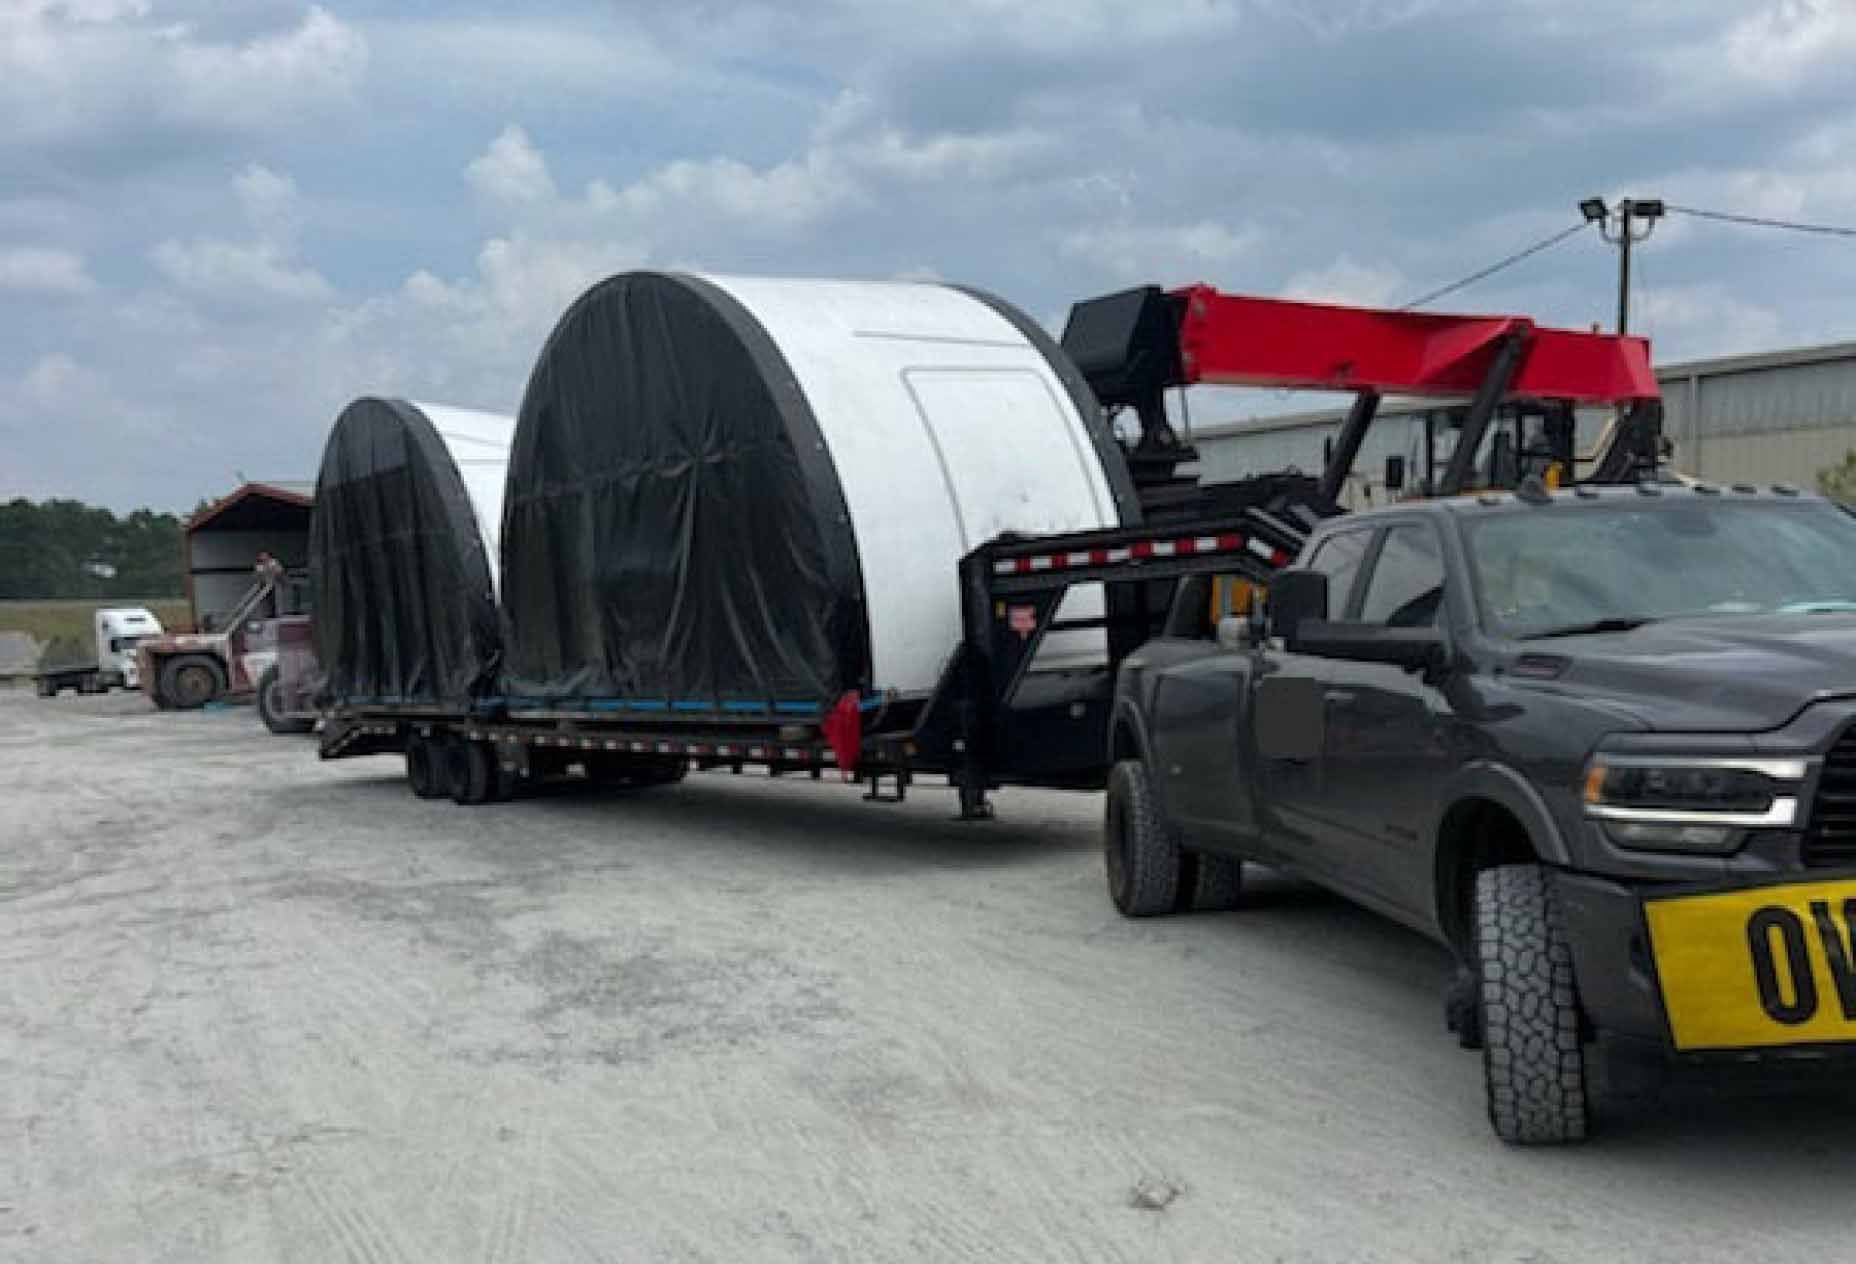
column 271, row 706
column 1141, row 850
column 1532, row 1056
column 472, row 771
column 425, row 767
column 48, row 688
column 190, row 681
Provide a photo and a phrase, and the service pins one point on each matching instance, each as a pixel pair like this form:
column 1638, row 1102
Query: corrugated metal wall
column 1777, row 424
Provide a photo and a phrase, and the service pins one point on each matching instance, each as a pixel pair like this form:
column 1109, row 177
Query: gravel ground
column 262, row 1008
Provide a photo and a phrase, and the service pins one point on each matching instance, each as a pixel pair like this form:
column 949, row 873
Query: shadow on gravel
column 789, row 818
column 1794, row 1128
column 1756, row 1119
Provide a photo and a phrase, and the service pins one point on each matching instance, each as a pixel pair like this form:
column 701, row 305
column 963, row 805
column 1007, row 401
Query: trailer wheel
column 271, row 707
column 1532, row 1055
column 1141, row 849
column 473, row 770
column 190, row 681
column 424, row 767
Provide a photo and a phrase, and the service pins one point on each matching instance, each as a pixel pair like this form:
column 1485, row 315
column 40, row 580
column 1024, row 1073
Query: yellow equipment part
column 1232, row 595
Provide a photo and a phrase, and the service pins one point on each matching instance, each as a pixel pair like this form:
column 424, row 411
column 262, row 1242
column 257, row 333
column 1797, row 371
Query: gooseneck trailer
column 885, row 529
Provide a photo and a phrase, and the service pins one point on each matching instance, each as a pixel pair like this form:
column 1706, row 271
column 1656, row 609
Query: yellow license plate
column 1758, row 967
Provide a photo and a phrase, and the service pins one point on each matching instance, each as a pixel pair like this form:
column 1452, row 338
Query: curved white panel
column 947, row 427
column 479, row 445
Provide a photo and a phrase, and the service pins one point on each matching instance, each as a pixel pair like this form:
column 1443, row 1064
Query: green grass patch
column 46, row 621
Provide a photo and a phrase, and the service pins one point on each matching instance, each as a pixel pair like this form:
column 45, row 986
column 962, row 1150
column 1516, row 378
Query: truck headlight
column 1703, row 804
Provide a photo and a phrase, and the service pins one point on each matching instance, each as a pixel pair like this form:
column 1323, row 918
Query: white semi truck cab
column 120, row 630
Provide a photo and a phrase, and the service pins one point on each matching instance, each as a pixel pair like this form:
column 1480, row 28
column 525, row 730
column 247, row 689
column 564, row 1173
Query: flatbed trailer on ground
column 991, row 722
column 995, row 718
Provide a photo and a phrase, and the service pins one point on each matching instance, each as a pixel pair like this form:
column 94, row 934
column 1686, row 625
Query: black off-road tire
column 1217, row 882
column 190, row 681
column 1141, row 850
column 1533, row 1056
column 474, row 773
column 425, row 768
column 271, row 706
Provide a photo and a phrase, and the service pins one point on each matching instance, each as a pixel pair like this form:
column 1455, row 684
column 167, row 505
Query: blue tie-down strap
column 681, row 706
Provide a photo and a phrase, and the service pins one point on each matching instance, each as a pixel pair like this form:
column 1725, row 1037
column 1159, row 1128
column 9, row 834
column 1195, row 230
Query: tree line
column 66, row 548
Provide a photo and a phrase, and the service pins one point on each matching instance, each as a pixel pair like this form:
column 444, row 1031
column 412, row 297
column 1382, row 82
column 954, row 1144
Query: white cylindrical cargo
column 741, row 493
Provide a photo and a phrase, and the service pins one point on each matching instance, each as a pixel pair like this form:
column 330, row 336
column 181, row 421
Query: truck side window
column 1406, row 587
column 1339, row 557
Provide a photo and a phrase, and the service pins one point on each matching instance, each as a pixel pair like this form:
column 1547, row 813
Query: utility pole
column 1629, row 213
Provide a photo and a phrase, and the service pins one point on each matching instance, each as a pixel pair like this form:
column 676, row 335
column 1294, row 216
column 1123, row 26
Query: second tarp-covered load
column 403, row 553
column 749, row 496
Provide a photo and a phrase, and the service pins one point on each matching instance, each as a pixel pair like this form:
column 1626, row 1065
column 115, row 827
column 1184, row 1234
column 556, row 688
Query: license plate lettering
column 1764, row 966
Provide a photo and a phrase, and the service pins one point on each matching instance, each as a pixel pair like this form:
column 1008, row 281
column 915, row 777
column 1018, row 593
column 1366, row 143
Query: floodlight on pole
column 1630, row 212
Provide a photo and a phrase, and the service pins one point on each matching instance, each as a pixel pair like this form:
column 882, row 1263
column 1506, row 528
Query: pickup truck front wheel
column 1532, row 1055
column 1141, row 850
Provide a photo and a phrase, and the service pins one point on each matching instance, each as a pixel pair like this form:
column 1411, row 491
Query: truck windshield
column 1611, row 567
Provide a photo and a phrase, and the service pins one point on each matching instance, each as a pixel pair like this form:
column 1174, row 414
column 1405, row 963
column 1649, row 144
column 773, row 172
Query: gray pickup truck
column 1599, row 742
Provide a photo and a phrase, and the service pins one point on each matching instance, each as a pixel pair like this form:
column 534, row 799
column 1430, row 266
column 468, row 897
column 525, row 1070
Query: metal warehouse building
column 1776, row 417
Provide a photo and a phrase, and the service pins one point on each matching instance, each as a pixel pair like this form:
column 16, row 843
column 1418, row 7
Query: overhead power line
column 1758, row 221
column 1544, row 243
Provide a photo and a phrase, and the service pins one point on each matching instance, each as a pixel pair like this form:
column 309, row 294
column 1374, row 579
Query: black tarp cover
column 405, row 608
column 674, row 533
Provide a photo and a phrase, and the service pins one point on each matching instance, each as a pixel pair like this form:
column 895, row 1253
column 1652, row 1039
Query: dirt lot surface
column 261, row 1008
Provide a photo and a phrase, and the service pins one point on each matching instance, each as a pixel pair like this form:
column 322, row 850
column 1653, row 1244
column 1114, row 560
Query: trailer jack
column 876, row 795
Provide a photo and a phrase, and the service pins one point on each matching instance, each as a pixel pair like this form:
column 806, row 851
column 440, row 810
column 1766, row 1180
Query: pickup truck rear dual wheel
column 1533, row 1057
column 190, row 681
column 1141, row 850
column 1217, row 881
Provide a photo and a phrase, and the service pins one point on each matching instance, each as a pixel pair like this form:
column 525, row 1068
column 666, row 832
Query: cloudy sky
column 221, row 219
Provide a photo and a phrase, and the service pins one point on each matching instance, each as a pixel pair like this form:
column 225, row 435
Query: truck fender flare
column 1128, row 716
column 1500, row 784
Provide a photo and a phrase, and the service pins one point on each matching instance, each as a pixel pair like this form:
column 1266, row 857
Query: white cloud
column 53, row 377
column 1704, row 320
column 787, row 195
column 511, row 170
column 1349, row 282
column 269, row 201
column 237, row 270
column 1167, row 254
column 96, row 74
column 1779, row 41
column 44, row 270
column 321, row 59
column 245, row 272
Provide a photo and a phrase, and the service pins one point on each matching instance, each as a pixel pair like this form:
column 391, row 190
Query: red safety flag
column 844, row 729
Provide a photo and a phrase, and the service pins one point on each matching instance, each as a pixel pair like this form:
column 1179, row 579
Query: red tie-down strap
column 843, row 727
